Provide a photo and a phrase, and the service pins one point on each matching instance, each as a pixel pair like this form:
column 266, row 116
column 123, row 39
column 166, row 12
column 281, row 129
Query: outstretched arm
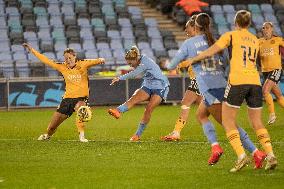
column 179, row 57
column 224, row 41
column 205, row 54
column 43, row 58
column 140, row 69
column 92, row 62
column 183, row 64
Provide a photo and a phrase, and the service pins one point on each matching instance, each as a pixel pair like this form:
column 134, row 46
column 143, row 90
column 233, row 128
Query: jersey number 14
column 249, row 55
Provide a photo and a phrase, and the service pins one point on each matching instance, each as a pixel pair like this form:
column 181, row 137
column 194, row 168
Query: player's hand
column 189, row 62
column 102, row 60
column 166, row 64
column 116, row 79
column 178, row 69
column 27, row 47
column 163, row 64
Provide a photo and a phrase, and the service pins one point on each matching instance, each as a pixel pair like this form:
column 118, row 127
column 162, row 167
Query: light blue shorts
column 213, row 96
column 163, row 93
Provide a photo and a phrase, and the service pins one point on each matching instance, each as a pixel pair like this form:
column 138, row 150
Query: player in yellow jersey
column 243, row 84
column 191, row 95
column 75, row 74
column 270, row 58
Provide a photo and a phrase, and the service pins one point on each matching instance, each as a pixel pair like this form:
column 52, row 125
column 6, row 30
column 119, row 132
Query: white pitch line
column 112, row 141
column 122, row 141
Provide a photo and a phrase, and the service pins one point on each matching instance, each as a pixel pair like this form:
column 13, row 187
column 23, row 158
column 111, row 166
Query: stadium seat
column 271, row 18
column 88, row 45
column 219, row 19
column 86, row 34
column 91, row 54
column 116, row 44
column 229, row 9
column 60, row 46
column 254, row 8
column 119, row 55
column 128, row 43
column 22, row 68
column 216, row 9
column 161, row 54
column 76, row 46
column 7, row 68
column 151, row 22
column 17, row 48
column 230, row 17
column 46, row 46
column 257, row 19
column 240, row 7
column 149, row 53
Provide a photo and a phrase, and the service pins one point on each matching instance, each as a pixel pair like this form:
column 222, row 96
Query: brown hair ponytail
column 203, row 23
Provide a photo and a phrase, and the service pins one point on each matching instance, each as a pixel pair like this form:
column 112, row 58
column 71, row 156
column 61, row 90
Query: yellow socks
column 235, row 141
column 180, row 123
column 281, row 101
column 269, row 101
column 80, row 126
column 264, row 139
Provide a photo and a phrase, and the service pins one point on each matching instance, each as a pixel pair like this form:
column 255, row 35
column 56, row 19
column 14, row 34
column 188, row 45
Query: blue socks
column 140, row 129
column 247, row 143
column 209, row 131
column 122, row 108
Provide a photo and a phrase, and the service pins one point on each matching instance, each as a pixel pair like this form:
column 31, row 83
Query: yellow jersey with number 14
column 270, row 55
column 243, row 48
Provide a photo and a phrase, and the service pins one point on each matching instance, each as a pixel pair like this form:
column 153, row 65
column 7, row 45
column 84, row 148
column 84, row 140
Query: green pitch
column 111, row 161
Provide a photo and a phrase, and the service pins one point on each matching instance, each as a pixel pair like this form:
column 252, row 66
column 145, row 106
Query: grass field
column 111, row 161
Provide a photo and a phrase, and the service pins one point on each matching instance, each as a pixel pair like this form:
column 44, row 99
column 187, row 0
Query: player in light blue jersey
column 191, row 95
column 155, row 88
column 211, row 80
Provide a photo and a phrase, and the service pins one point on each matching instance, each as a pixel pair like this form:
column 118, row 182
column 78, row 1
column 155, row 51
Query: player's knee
column 184, row 107
column 149, row 109
column 79, row 104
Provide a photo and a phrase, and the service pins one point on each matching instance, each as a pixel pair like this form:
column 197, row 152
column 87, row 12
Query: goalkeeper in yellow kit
column 75, row 74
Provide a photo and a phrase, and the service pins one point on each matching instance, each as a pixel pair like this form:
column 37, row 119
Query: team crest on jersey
column 272, row 42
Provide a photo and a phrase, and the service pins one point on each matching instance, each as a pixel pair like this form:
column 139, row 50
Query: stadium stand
column 106, row 28
column 223, row 13
column 94, row 28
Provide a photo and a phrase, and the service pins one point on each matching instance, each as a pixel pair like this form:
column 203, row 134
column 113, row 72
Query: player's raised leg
column 56, row 120
column 139, row 96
